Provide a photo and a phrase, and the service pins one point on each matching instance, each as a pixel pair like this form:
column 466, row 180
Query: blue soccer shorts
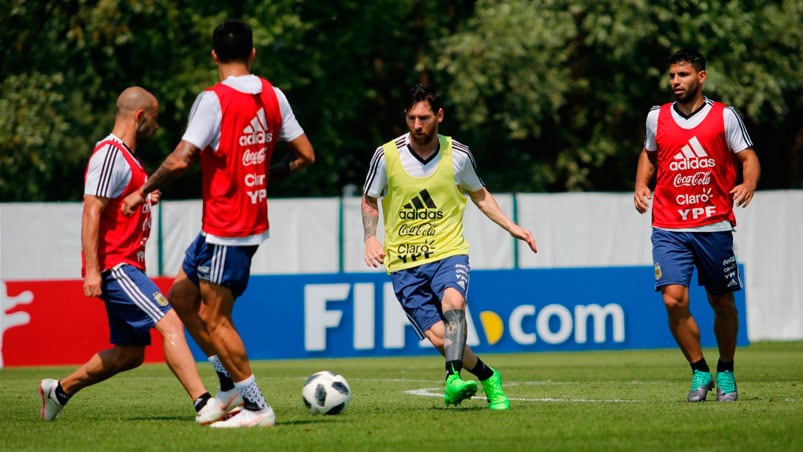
column 225, row 265
column 676, row 254
column 419, row 289
column 134, row 304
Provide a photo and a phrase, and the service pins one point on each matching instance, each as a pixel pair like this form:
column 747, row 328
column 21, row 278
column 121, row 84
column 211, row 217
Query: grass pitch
column 618, row 400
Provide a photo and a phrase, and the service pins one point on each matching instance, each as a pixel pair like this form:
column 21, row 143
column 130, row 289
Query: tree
column 550, row 94
column 558, row 89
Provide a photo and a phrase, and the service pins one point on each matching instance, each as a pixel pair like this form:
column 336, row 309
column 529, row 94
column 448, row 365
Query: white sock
column 251, row 394
column 218, row 365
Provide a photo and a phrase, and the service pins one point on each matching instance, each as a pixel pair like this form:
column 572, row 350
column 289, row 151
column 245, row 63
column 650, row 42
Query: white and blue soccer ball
column 326, row 392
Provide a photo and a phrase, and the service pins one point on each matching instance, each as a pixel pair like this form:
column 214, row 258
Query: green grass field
column 623, row 400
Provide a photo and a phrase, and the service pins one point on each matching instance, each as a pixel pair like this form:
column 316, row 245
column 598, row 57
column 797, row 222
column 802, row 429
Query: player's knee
column 452, row 299
column 675, row 298
column 170, row 324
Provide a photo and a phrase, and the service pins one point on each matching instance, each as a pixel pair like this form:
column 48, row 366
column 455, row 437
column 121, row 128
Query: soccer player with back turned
column 233, row 127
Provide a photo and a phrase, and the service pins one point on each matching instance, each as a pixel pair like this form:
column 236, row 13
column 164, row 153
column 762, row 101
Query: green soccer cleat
column 726, row 387
column 497, row 400
column 701, row 383
column 458, row 390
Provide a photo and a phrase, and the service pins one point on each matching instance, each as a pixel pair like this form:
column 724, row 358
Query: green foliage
column 612, row 400
column 558, row 90
column 551, row 95
column 37, row 118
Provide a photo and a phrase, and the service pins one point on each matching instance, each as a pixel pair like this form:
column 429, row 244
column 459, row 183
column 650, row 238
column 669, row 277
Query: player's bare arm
column 487, row 204
column 645, row 170
column 751, row 171
column 374, row 252
column 301, row 155
column 90, row 237
column 175, row 164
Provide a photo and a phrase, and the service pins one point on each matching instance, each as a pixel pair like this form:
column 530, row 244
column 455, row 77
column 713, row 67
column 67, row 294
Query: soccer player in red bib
column 703, row 163
column 234, row 127
column 113, row 258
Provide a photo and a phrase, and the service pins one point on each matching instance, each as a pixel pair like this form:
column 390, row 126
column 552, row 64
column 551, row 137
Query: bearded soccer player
column 697, row 150
column 422, row 178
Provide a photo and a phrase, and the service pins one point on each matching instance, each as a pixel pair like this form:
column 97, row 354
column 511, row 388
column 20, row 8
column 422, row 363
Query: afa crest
column 658, row 272
column 159, row 298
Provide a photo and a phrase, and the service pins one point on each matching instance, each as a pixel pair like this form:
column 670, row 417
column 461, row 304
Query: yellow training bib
column 423, row 215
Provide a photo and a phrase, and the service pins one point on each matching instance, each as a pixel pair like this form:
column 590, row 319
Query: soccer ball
column 326, row 392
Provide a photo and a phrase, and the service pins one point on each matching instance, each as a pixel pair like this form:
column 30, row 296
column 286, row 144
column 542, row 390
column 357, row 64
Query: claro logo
column 526, row 324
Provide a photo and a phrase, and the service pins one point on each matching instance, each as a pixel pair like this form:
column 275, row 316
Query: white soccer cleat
column 230, row 399
column 248, row 418
column 50, row 404
column 224, row 405
column 212, row 411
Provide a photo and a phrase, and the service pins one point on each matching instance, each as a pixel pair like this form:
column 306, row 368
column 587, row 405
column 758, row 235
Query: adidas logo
column 257, row 131
column 692, row 156
column 421, row 207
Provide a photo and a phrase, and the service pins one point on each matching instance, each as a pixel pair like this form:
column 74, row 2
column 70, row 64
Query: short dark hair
column 420, row 93
column 689, row 56
column 232, row 40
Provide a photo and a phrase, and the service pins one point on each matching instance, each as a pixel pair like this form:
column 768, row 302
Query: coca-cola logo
column 426, row 229
column 693, row 180
column 253, row 157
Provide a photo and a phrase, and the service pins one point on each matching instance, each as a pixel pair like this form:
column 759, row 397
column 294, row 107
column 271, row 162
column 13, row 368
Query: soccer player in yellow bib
column 422, row 178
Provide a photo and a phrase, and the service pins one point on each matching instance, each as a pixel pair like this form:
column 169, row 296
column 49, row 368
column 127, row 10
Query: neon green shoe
column 497, row 400
column 458, row 390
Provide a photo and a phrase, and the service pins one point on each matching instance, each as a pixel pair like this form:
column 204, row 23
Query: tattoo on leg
column 454, row 335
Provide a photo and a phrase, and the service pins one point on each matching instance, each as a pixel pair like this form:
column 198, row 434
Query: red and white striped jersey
column 121, row 238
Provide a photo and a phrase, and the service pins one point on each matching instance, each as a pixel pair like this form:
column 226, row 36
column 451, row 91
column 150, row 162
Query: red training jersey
column 235, row 175
column 121, row 238
column 696, row 171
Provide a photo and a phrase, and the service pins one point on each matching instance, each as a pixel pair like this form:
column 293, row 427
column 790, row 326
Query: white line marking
column 428, row 392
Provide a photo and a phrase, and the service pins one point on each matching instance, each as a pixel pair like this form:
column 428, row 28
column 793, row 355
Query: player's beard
column 689, row 95
column 423, row 138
